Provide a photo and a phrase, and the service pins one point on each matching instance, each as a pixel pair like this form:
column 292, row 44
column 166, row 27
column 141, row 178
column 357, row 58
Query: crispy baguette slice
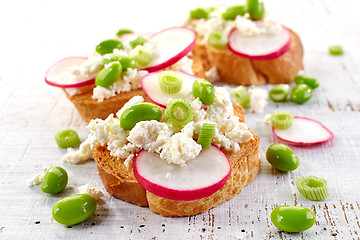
column 89, row 108
column 120, row 182
column 243, row 71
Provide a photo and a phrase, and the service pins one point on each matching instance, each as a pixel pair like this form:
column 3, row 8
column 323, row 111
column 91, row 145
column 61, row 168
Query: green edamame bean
column 108, row 75
column 336, row 50
column 123, row 31
column 199, row 13
column 256, row 9
column 107, row 46
column 125, row 61
column 311, row 82
column 292, row 218
column 204, row 90
column 301, row 93
column 217, row 40
column 139, row 112
column 55, row 180
column 140, row 40
column 279, row 92
column 74, row 209
column 282, row 157
column 233, row 11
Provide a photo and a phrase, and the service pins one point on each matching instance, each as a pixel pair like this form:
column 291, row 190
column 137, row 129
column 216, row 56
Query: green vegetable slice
column 279, row 92
column 312, row 188
column 67, row 139
column 179, row 112
column 141, row 56
column 140, row 40
column 170, row 82
column 311, row 82
column 241, row 96
column 281, row 119
column 217, row 40
column 233, row 11
column 199, row 13
column 336, row 50
column 123, row 31
column 206, row 134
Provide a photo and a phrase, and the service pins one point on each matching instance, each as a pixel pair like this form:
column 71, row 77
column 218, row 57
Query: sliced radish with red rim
column 263, row 47
column 304, row 131
column 200, row 178
column 60, row 75
column 150, row 85
column 173, row 44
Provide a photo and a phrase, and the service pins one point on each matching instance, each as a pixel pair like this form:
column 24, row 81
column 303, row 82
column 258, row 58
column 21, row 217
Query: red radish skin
column 150, row 85
column 236, row 49
column 53, row 69
column 181, row 194
column 188, row 46
column 323, row 133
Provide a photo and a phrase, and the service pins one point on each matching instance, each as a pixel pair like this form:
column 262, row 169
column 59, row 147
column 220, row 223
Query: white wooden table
column 35, row 34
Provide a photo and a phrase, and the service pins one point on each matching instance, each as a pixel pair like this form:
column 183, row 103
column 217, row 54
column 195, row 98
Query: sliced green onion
column 123, row 31
column 217, row 40
column 241, row 96
column 140, row 40
column 170, row 82
column 178, row 112
column 199, row 13
column 311, row 82
column 67, row 139
column 206, row 134
column 279, row 92
column 312, row 188
column 141, row 56
column 233, row 11
column 281, row 120
column 336, row 50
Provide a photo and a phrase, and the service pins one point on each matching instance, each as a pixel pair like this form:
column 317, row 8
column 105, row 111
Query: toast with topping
column 120, row 182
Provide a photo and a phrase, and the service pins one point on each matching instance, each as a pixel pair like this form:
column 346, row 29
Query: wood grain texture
column 39, row 33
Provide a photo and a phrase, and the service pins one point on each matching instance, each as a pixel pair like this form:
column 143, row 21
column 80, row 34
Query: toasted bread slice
column 120, row 182
column 243, row 71
column 89, row 108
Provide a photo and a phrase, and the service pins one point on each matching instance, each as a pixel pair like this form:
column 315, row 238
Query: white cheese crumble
column 212, row 75
column 36, row 180
column 127, row 82
column 267, row 119
column 183, row 65
column 93, row 191
column 72, row 91
column 176, row 146
column 258, row 100
column 215, row 23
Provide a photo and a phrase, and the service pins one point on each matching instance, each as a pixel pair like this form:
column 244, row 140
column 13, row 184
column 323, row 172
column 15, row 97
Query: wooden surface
column 35, row 34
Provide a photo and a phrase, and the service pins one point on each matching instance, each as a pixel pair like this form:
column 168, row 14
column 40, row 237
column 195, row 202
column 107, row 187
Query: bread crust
column 243, row 71
column 120, row 181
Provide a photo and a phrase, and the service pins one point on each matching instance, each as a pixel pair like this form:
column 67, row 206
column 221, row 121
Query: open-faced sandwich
column 242, row 45
column 183, row 154
column 101, row 83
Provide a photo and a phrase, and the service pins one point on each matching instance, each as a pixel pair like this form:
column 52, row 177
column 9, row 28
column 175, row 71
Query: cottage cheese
column 212, row 75
column 183, row 65
column 258, row 100
column 215, row 23
column 176, row 146
column 36, row 180
column 93, row 191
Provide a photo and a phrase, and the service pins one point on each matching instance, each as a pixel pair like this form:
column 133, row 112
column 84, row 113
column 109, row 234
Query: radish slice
column 173, row 44
column 150, row 85
column 264, row 47
column 127, row 37
column 201, row 177
column 304, row 131
column 60, row 75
